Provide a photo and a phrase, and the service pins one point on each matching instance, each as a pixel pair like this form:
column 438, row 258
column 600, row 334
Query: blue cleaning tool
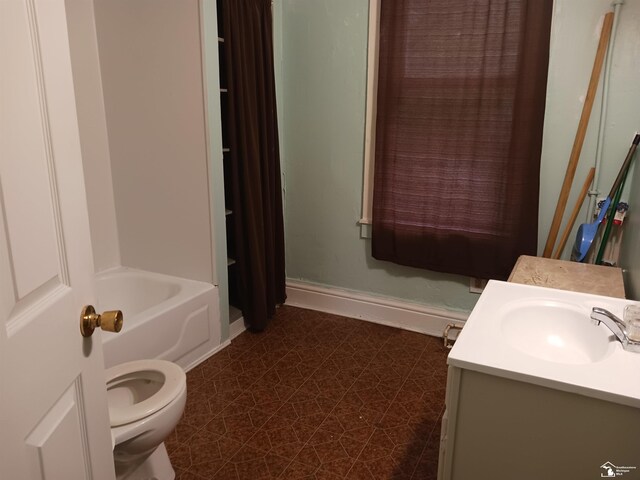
column 587, row 231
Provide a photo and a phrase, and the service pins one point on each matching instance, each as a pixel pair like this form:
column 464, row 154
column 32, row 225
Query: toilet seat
column 173, row 381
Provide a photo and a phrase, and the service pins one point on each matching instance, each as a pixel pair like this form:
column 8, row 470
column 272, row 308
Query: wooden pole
column 574, row 214
column 580, row 134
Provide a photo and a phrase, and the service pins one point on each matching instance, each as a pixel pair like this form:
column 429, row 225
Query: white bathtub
column 164, row 317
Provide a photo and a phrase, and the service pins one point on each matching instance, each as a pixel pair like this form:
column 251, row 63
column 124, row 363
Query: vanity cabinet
column 499, row 428
column 559, row 400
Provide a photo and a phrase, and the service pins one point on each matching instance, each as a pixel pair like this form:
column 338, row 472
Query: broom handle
column 625, row 165
column 610, row 216
column 616, row 192
column 580, row 134
column 574, row 213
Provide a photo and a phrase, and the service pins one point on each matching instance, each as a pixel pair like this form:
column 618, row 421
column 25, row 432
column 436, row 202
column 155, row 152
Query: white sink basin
column 546, row 337
column 555, row 332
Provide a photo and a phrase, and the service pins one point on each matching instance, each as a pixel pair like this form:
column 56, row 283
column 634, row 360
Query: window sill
column 365, row 228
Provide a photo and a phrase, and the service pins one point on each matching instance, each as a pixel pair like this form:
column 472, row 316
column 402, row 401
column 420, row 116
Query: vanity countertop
column 572, row 276
column 494, row 342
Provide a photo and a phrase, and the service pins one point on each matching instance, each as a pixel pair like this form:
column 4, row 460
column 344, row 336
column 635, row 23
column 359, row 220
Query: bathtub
column 164, row 317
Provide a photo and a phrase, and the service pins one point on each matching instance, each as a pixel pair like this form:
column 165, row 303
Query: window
column 458, row 131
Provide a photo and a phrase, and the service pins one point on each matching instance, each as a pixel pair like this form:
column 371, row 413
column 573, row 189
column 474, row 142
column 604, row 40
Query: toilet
column 146, row 399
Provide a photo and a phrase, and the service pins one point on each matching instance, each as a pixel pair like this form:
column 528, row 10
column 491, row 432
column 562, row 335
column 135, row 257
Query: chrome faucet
column 617, row 326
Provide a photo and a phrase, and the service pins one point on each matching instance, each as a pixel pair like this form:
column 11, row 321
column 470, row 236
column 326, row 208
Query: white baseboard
column 395, row 313
column 236, row 328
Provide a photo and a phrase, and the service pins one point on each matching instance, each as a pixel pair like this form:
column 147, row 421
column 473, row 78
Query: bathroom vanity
column 536, row 390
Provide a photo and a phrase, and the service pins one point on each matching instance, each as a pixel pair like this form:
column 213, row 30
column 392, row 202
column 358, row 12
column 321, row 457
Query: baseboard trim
column 395, row 313
column 236, row 328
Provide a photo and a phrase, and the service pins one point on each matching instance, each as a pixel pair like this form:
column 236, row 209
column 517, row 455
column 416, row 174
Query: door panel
column 30, row 246
column 53, row 412
column 48, row 443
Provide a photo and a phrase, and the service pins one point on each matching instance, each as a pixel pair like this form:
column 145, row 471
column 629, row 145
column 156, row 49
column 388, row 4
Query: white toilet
column 146, row 400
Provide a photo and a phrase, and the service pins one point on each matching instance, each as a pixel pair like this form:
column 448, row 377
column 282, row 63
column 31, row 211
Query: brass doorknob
column 111, row 321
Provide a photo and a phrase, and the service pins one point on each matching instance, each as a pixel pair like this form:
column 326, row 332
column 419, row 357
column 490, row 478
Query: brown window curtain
column 461, row 95
column 255, row 159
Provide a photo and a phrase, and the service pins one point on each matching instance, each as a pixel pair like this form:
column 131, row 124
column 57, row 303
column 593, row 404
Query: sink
column 555, row 331
column 544, row 336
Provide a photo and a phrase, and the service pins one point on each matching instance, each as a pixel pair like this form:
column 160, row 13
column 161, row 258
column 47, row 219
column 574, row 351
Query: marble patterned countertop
column 572, row 276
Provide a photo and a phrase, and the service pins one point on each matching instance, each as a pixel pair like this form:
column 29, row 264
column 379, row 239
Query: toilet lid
column 175, row 381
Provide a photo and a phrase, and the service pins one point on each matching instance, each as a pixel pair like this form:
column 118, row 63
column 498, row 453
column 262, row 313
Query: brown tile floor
column 316, row 396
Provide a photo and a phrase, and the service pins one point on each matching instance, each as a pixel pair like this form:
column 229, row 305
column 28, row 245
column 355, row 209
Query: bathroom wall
column 150, row 58
column 568, row 80
column 577, row 23
column 321, row 80
column 629, row 254
column 322, row 85
column 93, row 134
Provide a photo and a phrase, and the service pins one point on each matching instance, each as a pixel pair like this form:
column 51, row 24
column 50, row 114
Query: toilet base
column 156, row 467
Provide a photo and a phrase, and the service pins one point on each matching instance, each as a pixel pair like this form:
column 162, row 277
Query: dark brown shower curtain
column 461, row 97
column 255, row 159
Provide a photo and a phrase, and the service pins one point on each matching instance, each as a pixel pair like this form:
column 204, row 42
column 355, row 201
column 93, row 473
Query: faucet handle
column 617, row 327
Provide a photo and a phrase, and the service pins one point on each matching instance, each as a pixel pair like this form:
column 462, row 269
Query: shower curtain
column 255, row 158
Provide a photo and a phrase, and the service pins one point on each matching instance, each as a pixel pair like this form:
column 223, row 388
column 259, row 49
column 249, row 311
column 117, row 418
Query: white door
column 53, row 412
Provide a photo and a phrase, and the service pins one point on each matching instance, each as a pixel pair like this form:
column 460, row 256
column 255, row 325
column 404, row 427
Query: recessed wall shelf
column 231, row 210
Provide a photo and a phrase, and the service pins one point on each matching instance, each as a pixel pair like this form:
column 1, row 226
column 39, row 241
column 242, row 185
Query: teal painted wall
column 321, row 50
column 574, row 39
column 630, row 253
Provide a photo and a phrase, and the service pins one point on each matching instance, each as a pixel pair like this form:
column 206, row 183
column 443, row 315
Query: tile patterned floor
column 316, row 396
